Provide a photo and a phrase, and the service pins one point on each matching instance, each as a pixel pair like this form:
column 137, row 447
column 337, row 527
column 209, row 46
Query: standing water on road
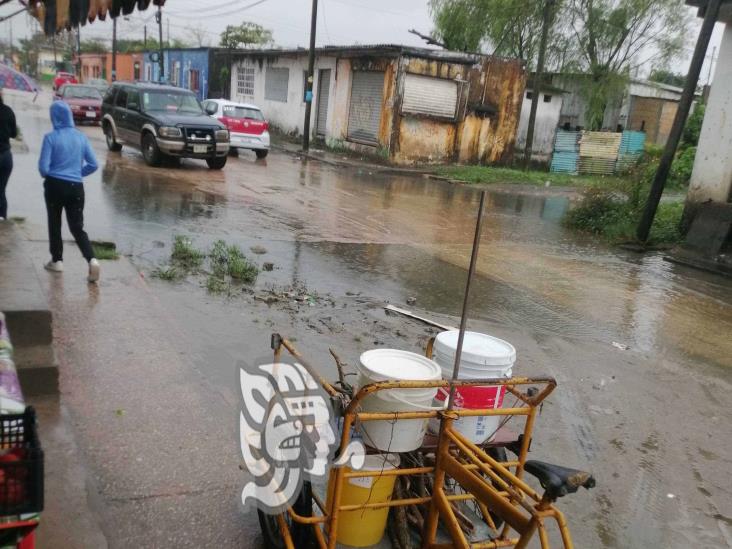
column 563, row 300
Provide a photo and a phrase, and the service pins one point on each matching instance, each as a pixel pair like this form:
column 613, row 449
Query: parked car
column 63, row 78
column 85, row 102
column 246, row 123
column 162, row 121
column 99, row 83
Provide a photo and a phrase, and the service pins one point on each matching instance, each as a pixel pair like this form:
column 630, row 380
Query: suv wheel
column 216, row 163
column 150, row 151
column 112, row 144
column 261, row 153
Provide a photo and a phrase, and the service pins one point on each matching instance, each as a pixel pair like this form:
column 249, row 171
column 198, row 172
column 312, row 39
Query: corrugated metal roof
column 600, row 145
column 564, row 162
column 631, row 149
column 632, row 142
column 385, row 50
column 602, row 166
column 566, row 141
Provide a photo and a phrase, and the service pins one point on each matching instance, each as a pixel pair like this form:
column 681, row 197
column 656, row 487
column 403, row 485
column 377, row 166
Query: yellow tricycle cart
column 448, row 491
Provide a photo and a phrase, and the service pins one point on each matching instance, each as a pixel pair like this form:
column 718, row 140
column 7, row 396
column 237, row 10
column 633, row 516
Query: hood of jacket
column 61, row 116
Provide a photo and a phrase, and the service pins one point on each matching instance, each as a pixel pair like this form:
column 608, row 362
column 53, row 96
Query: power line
column 223, row 14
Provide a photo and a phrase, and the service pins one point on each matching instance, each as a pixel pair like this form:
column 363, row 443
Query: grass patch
column 168, row 273
column 615, row 217
column 105, row 251
column 492, row 175
column 226, row 265
column 230, row 261
column 185, row 254
column 216, row 284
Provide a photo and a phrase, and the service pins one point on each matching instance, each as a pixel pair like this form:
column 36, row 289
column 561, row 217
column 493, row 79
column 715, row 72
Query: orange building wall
column 92, row 66
column 125, row 66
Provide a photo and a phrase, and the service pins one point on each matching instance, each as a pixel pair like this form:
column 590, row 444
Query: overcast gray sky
column 341, row 22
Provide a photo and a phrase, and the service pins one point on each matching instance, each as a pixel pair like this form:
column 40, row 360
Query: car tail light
column 266, row 125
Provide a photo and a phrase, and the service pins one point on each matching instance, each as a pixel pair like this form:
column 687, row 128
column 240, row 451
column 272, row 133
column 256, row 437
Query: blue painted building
column 188, row 68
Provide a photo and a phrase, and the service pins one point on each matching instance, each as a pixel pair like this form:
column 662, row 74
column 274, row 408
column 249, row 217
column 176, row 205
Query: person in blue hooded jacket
column 66, row 158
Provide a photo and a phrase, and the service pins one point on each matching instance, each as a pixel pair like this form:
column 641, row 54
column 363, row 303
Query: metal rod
column 682, row 113
column 466, row 297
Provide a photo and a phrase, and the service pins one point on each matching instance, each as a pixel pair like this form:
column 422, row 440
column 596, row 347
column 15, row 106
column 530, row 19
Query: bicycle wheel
column 302, row 534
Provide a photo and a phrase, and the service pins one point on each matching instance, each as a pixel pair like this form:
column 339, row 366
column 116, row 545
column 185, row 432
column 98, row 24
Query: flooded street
column 641, row 348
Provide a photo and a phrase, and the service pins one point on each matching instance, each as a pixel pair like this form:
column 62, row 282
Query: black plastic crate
column 21, row 464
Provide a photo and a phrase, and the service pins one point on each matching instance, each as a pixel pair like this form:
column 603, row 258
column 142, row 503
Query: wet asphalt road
column 652, row 422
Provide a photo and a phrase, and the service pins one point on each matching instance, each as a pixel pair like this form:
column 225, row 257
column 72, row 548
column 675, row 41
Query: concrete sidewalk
column 159, row 464
column 136, row 451
column 29, row 319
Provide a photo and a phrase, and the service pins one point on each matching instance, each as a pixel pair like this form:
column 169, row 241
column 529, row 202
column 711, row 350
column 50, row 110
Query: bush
column 682, row 167
column 604, row 213
column 692, row 130
column 597, row 210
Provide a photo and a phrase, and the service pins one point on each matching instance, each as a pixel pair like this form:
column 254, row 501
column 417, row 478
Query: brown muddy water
column 650, row 416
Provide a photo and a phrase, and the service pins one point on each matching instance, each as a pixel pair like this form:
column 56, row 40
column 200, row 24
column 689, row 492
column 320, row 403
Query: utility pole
column 78, row 52
column 161, row 62
column 538, row 81
column 114, row 50
column 682, row 113
column 309, row 83
column 144, row 39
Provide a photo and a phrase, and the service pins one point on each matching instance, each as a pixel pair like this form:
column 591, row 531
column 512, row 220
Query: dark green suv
column 162, row 121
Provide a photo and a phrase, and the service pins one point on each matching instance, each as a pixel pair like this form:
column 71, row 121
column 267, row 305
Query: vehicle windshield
column 170, row 101
column 242, row 112
column 81, row 92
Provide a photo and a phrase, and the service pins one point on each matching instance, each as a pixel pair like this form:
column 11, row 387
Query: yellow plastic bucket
column 364, row 527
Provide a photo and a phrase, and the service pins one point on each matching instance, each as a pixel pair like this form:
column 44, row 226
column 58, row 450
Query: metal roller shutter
column 276, row 82
column 323, row 96
column 364, row 116
column 428, row 95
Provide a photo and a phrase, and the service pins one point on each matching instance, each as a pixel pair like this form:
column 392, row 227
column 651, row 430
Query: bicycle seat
column 559, row 481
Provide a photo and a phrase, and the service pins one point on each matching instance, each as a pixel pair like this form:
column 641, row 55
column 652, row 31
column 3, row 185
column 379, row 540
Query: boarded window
column 430, row 96
column 194, row 80
column 245, row 81
column 276, row 84
column 364, row 115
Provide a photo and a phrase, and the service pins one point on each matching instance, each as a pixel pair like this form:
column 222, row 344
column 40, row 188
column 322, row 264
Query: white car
column 246, row 123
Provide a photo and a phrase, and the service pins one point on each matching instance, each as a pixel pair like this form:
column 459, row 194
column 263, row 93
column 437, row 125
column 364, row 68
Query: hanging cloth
column 62, row 14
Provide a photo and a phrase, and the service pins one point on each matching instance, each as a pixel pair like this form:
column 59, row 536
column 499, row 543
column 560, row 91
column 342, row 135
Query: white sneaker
column 55, row 266
column 93, row 271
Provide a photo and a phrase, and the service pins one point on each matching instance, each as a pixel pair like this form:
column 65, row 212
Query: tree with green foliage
column 245, row 35
column 93, row 46
column 605, row 39
column 664, row 76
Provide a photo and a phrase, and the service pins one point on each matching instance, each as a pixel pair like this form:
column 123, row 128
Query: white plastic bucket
column 402, row 435
column 483, row 356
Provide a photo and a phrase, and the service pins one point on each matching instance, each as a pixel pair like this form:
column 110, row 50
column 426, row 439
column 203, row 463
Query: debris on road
column 621, row 346
column 410, row 314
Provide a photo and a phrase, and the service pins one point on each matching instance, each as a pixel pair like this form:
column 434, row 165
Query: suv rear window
column 233, row 111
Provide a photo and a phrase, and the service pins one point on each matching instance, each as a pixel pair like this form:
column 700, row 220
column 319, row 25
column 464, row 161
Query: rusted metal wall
column 494, row 106
column 485, row 127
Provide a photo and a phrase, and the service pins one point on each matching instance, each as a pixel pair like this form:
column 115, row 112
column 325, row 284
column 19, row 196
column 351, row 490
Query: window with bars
column 245, row 81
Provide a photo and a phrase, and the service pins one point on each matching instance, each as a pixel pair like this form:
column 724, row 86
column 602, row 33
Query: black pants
column 6, row 167
column 62, row 195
